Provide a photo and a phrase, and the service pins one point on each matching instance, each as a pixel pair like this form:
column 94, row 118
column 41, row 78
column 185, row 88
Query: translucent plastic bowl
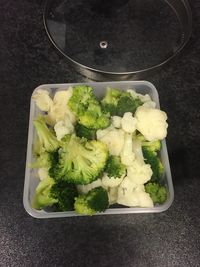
column 31, row 180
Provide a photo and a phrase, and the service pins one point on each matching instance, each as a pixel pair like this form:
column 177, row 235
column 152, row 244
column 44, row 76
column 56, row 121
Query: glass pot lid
column 113, row 38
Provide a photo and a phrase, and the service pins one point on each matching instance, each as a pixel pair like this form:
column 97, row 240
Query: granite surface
column 172, row 238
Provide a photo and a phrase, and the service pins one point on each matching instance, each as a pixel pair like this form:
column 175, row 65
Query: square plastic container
column 31, row 180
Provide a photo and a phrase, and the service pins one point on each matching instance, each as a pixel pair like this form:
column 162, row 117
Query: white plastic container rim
column 30, row 183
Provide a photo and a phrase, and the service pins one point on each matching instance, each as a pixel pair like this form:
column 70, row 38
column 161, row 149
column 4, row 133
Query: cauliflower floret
column 146, row 99
column 59, row 109
column 113, row 138
column 127, row 155
column 67, row 94
column 149, row 104
column 116, row 121
column 112, row 195
column 137, row 150
column 132, row 195
column 129, row 185
column 139, row 173
column 84, row 189
column 137, row 198
column 63, row 127
column 101, row 133
column 42, row 99
column 145, row 200
column 111, row 181
column 43, row 173
column 128, row 122
column 143, row 98
column 151, row 123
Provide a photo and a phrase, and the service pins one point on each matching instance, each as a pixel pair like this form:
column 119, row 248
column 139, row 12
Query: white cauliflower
column 127, row 187
column 111, row 181
column 137, row 149
column 116, row 121
column 59, row 109
column 149, row 104
column 127, row 155
column 43, row 173
column 113, row 138
column 131, row 190
column 132, row 195
column 151, row 123
column 42, row 99
column 143, row 98
column 112, row 195
column 63, row 127
column 101, row 133
column 139, row 173
column 146, row 99
column 84, row 189
column 128, row 122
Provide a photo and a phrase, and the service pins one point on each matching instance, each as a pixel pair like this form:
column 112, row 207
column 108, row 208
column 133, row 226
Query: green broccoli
column 94, row 117
column 151, row 157
column 117, row 102
column 127, row 103
column 114, row 167
column 87, row 108
column 46, row 138
column 45, row 160
column 80, row 161
column 65, row 193
column 110, row 101
column 96, row 200
column 157, row 192
column 151, row 145
column 82, row 131
column 80, row 99
column 42, row 197
column 37, row 149
column 58, row 194
column 150, row 151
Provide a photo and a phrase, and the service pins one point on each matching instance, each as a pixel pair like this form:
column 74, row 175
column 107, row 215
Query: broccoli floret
column 87, row 108
column 80, row 99
column 117, row 103
column 150, row 149
column 65, row 193
column 151, row 145
column 96, row 200
column 47, row 140
column 94, row 117
column 59, row 194
column 37, row 149
column 43, row 197
column 154, row 146
column 114, row 167
column 151, row 157
column 45, row 160
column 80, row 161
column 110, row 101
column 127, row 104
column 157, row 192
column 82, row 131
column 42, row 160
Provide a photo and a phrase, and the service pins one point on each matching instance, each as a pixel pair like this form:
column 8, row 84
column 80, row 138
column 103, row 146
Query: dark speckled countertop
column 172, row 238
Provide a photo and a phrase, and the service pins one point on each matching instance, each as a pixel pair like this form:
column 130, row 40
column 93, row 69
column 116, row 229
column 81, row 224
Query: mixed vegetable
column 91, row 153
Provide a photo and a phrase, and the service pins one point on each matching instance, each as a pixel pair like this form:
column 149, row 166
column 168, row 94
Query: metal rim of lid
column 184, row 14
